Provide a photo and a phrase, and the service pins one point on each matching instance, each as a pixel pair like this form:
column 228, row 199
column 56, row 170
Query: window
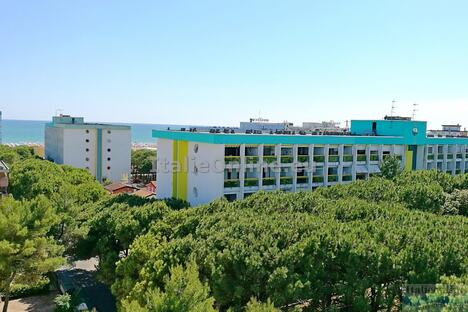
column 87, row 131
column 230, row 197
column 87, row 159
column 87, row 140
column 108, row 167
column 109, row 132
column 87, row 149
column 108, row 159
column 109, row 140
column 108, row 150
column 195, row 148
column 195, row 192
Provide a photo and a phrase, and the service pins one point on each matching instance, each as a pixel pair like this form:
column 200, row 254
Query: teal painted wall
column 99, row 155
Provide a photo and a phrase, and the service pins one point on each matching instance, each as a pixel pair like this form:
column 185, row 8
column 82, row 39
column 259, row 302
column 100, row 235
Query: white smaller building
column 102, row 149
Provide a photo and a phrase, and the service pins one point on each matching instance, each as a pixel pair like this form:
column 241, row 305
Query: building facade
column 200, row 167
column 102, row 149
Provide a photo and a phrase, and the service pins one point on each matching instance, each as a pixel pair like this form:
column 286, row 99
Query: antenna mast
column 393, row 108
column 415, row 110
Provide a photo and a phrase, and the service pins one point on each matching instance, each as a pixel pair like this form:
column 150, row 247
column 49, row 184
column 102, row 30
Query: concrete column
column 260, row 166
column 278, row 165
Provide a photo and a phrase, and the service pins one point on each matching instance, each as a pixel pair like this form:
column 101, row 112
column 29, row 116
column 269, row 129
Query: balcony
column 333, row 178
column 268, row 181
column 286, row 159
column 232, row 159
column 250, row 182
column 333, row 158
column 317, row 179
column 458, row 171
column 269, row 159
column 449, row 156
column 286, row 180
column 348, row 158
column 459, row 156
column 430, row 157
column 399, row 157
column 374, row 157
column 347, row 178
column 251, row 159
column 361, row 158
column 231, row 183
column 319, row 158
column 302, row 158
column 302, row 180
column 440, row 156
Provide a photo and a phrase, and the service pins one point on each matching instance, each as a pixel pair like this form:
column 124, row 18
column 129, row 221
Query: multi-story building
column 200, row 167
column 103, row 149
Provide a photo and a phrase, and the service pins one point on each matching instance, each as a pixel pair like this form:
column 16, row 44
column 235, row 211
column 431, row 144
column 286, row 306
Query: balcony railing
column 430, row 157
column 302, row 180
column 251, row 159
column 231, row 183
column 374, row 157
column 449, row 156
column 317, row 179
column 232, row 159
column 332, row 178
column 269, row 159
column 347, row 177
column 348, row 158
column 458, row 171
column 319, row 158
column 250, row 182
column 333, row 158
column 302, row 158
column 287, row 159
column 440, row 156
column 286, row 180
column 361, row 158
column 459, row 156
column 268, row 181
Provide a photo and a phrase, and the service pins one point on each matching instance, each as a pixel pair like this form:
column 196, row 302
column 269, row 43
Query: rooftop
column 67, row 121
column 387, row 131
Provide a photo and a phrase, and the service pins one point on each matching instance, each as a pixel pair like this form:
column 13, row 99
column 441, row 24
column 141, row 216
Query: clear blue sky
column 218, row 62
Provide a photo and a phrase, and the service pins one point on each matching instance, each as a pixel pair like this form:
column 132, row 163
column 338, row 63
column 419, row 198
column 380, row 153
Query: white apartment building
column 200, row 167
column 102, row 149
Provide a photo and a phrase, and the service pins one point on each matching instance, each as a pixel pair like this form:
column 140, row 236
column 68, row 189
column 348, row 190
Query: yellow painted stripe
column 409, row 160
column 174, row 168
column 180, row 172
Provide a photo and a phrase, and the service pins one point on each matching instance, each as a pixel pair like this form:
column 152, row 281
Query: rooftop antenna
column 415, row 110
column 58, row 112
column 393, row 108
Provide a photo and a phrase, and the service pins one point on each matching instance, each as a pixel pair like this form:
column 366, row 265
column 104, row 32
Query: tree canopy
column 347, row 247
column 142, row 160
column 27, row 251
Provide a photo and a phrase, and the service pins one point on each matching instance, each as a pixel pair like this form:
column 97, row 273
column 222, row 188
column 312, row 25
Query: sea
column 32, row 131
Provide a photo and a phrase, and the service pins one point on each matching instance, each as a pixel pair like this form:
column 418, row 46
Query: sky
column 211, row 62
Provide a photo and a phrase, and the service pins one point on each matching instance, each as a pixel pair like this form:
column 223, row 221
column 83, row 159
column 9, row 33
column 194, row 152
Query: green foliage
column 182, row 292
column 456, row 203
column 390, row 167
column 63, row 303
column 254, row 306
column 343, row 252
column 26, row 250
column 71, row 192
column 11, row 155
column 142, row 160
column 451, row 294
column 112, row 229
